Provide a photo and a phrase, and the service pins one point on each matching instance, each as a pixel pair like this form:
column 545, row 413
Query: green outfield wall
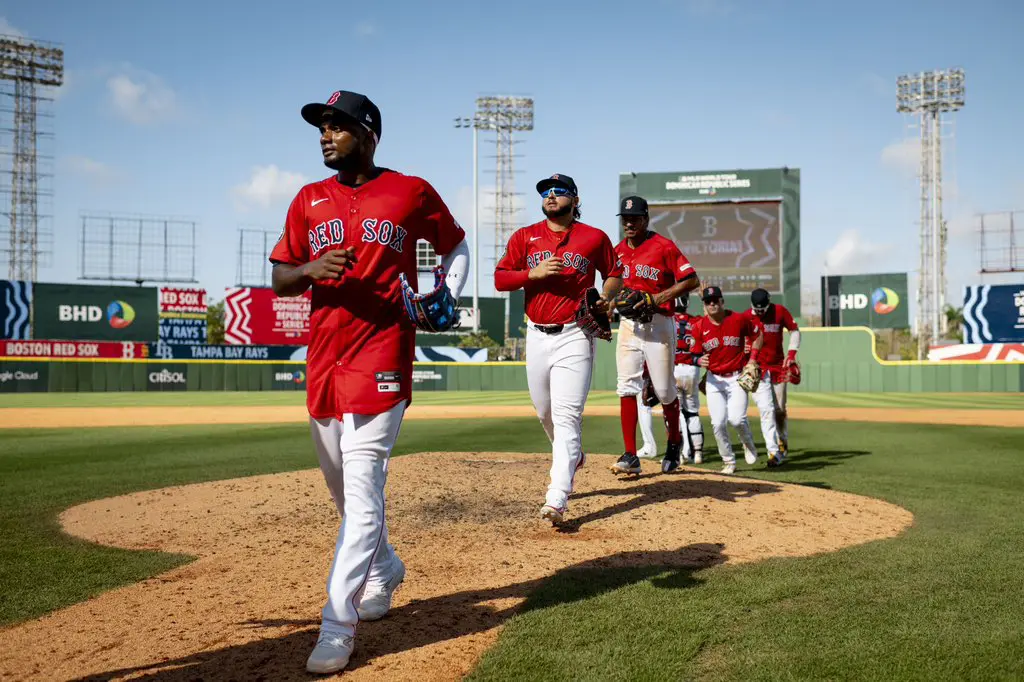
column 833, row 360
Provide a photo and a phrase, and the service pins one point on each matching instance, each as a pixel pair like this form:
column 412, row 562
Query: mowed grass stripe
column 953, row 401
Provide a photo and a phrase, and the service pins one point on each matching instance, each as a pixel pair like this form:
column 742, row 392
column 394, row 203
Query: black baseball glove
column 635, row 305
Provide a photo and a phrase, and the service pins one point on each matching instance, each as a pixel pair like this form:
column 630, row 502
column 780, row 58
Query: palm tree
column 954, row 322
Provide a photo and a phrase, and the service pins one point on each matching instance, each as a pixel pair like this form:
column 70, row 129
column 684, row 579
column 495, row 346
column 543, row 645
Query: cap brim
column 313, row 114
column 641, row 213
column 548, row 183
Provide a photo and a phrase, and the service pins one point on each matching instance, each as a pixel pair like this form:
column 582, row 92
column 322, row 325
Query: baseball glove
column 648, row 395
column 750, row 377
column 592, row 321
column 433, row 311
column 793, row 373
column 635, row 305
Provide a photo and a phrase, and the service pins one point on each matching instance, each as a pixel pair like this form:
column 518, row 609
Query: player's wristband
column 791, row 356
column 754, row 352
column 695, row 360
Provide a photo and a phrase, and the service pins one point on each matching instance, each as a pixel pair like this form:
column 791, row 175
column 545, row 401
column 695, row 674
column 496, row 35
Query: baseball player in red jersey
column 556, row 261
column 770, row 397
column 717, row 344
column 350, row 237
column 653, row 264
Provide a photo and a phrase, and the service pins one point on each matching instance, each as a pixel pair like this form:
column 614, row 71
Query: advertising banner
column 165, row 351
column 183, row 316
column 980, row 352
column 450, row 354
column 15, row 310
column 288, row 378
column 166, row 378
column 994, row 313
column 94, row 313
column 26, row 377
column 878, row 301
column 257, row 316
column 430, row 378
column 107, row 350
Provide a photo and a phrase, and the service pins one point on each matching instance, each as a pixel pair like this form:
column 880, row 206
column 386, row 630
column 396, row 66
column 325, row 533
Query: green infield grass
column 954, row 401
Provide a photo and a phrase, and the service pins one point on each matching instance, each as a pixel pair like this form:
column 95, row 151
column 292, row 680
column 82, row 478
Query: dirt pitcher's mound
column 467, row 528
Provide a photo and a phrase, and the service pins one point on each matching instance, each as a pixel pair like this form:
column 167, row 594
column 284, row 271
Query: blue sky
column 191, row 109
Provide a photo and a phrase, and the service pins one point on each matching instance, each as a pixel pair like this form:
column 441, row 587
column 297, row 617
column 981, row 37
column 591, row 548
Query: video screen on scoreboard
column 736, row 246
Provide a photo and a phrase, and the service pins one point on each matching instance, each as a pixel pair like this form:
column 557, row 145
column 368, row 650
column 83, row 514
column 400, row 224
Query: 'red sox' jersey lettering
column 653, row 266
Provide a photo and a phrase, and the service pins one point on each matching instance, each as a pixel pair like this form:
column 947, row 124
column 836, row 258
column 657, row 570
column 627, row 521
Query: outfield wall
column 833, row 360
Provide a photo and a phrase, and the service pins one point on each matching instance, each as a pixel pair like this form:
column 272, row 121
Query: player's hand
column 546, row 268
column 790, row 359
column 332, row 265
column 660, row 297
column 602, row 305
column 704, row 360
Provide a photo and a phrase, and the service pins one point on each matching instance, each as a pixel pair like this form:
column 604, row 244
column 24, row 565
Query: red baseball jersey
column 723, row 342
column 684, row 336
column 583, row 250
column 653, row 266
column 362, row 343
column 771, row 324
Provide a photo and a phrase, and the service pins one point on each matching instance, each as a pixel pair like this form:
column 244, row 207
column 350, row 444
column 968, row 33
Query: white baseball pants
column 687, row 381
column 781, row 418
column 645, row 419
column 559, row 368
column 764, row 398
column 727, row 404
column 354, row 457
column 653, row 343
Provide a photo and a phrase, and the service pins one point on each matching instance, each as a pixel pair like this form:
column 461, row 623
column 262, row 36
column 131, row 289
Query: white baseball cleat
column 698, row 458
column 330, row 654
column 648, row 451
column 552, row 514
column 376, row 601
column 729, row 469
column 750, row 456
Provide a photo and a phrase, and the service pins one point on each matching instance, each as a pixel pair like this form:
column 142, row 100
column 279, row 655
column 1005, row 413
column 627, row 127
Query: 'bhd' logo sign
column 848, row 302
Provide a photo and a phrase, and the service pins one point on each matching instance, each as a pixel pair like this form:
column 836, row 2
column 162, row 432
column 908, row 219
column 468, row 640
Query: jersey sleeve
column 682, row 268
column 511, row 272
column 292, row 246
column 437, row 225
column 787, row 320
column 608, row 262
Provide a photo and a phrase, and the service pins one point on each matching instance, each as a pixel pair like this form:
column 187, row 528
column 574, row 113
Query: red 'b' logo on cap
column 629, row 203
column 333, row 98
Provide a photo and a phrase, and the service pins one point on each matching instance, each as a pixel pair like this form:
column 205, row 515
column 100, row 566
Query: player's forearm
column 612, row 287
column 755, row 347
column 510, row 280
column 679, row 288
column 794, row 340
column 289, row 280
column 456, row 265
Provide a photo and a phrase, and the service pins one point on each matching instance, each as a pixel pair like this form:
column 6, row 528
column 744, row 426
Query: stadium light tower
column 24, row 64
column 504, row 115
column 927, row 95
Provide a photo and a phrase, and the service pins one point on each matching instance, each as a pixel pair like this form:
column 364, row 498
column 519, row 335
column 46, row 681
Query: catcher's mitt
column 433, row 311
column 635, row 305
column 592, row 321
column 793, row 373
column 750, row 377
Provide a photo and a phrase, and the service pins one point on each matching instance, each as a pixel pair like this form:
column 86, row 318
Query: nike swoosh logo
column 317, row 201
column 533, row 239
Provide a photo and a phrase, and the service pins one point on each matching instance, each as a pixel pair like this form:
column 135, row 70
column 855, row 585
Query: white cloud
column 365, row 29
column 266, row 186
column 141, row 97
column 852, row 253
column 6, row 29
column 95, row 173
column 903, row 156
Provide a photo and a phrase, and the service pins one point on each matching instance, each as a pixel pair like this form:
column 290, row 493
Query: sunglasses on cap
column 557, row 191
column 759, row 309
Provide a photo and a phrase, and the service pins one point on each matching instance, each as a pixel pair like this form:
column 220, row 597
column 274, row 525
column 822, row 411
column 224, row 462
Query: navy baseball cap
column 357, row 107
column 558, row 180
column 633, row 205
column 710, row 294
column 759, row 298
